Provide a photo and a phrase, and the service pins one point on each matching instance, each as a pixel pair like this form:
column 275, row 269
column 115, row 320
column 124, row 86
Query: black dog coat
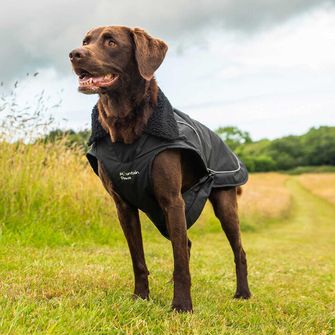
column 129, row 165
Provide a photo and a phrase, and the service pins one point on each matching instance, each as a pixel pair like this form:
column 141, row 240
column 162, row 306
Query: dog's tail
column 239, row 190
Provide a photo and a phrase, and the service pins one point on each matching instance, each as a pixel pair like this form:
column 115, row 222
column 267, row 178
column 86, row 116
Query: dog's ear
column 149, row 52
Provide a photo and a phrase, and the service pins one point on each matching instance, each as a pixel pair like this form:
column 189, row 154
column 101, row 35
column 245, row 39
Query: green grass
column 50, row 198
column 311, row 169
column 84, row 286
column 65, row 267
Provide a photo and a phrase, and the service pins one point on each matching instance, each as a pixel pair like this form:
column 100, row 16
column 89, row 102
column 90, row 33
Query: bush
column 259, row 164
column 264, row 164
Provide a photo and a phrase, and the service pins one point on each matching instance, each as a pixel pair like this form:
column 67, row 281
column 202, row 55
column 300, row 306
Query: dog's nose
column 76, row 54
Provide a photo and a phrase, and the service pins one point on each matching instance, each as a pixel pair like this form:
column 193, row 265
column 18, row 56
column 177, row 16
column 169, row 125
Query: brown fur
column 124, row 109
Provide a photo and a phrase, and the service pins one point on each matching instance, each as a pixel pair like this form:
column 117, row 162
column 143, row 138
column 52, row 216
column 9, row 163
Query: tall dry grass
column 322, row 185
column 48, row 195
column 264, row 197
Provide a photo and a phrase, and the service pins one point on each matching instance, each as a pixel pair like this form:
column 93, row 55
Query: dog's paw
column 182, row 307
column 141, row 295
column 242, row 294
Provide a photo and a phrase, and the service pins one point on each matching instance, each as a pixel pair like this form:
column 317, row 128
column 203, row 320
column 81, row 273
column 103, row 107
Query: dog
column 118, row 64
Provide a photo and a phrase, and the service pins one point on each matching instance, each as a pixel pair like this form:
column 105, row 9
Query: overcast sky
column 267, row 67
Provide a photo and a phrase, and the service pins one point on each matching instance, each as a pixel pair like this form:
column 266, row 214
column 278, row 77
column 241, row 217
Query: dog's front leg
column 167, row 181
column 130, row 223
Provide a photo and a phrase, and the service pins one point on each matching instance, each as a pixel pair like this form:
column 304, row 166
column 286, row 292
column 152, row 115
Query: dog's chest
column 127, row 165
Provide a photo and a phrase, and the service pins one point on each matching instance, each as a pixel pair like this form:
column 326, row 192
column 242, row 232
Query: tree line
column 312, row 149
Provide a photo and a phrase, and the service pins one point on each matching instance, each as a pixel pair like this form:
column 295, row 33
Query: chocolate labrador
column 118, row 64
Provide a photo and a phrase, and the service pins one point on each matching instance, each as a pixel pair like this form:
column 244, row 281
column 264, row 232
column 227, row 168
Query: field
column 321, row 185
column 65, row 267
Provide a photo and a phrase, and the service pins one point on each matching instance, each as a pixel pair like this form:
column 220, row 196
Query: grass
column 257, row 208
column 321, row 185
column 50, row 197
column 65, row 267
column 311, row 169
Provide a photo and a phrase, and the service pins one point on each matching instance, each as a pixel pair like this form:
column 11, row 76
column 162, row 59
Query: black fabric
column 129, row 165
column 221, row 163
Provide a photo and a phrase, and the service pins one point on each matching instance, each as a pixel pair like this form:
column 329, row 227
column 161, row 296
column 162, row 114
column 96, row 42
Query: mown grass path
column 87, row 289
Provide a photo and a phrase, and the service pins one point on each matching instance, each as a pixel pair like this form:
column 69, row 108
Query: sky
column 267, row 67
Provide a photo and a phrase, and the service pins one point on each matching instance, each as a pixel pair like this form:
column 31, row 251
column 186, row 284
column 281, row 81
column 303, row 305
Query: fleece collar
column 161, row 123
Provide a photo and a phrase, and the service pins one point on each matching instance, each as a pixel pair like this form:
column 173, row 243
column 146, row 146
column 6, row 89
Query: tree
column 79, row 138
column 233, row 136
column 287, row 152
column 319, row 146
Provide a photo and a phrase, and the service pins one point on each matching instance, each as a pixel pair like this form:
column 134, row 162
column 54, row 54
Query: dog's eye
column 111, row 43
column 85, row 42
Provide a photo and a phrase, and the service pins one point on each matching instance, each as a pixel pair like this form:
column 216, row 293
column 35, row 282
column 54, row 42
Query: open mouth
column 89, row 81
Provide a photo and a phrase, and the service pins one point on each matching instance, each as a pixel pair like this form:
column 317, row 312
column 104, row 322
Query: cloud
column 37, row 34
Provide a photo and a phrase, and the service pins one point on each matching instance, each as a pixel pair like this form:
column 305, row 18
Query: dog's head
column 112, row 56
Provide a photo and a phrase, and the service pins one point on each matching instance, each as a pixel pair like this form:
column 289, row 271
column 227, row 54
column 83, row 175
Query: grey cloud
column 37, row 34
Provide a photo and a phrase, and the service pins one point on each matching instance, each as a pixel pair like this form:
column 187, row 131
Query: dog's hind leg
column 224, row 202
column 130, row 223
